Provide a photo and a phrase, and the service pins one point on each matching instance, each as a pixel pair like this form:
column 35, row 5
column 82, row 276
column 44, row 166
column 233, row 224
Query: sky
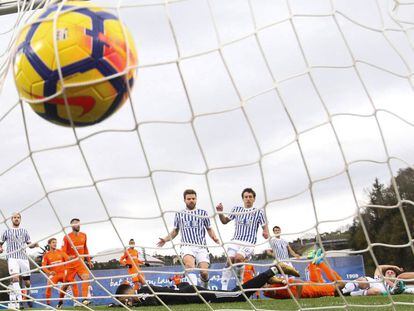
column 292, row 98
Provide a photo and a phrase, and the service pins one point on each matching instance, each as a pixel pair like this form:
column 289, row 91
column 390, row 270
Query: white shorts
column 200, row 254
column 18, row 266
column 244, row 249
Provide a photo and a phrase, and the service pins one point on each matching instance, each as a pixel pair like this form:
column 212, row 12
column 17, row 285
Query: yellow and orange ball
column 80, row 70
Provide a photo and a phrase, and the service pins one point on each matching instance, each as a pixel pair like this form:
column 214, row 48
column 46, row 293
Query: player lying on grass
column 183, row 294
column 386, row 279
column 318, row 288
column 303, row 289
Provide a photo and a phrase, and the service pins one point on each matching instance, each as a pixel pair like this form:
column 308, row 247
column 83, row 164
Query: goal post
column 310, row 103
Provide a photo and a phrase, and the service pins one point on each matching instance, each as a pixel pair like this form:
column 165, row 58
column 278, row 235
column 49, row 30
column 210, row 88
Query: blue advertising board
column 348, row 267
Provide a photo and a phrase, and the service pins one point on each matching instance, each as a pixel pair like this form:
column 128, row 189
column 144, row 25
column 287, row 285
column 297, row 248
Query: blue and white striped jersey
column 192, row 225
column 247, row 223
column 16, row 240
column 280, row 249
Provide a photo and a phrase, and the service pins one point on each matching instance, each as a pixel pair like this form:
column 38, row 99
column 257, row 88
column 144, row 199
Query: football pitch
column 330, row 303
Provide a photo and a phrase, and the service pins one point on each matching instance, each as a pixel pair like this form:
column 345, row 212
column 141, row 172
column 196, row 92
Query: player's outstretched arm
column 223, row 218
column 167, row 238
column 212, row 235
column 380, row 270
column 33, row 245
column 292, row 252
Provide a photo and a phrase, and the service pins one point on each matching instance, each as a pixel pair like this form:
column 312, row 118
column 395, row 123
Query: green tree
column 384, row 223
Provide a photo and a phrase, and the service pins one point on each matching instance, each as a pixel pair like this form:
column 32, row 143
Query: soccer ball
column 79, row 71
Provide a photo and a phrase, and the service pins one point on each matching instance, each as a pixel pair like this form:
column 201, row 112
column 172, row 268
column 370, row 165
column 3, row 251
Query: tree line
column 386, row 225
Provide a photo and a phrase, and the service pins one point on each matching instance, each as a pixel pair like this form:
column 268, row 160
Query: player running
column 131, row 259
column 75, row 245
column 193, row 224
column 55, row 258
column 17, row 239
column 247, row 219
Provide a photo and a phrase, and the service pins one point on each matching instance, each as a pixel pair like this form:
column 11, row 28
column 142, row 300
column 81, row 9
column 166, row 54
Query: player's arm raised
column 380, row 270
column 223, row 218
column 167, row 238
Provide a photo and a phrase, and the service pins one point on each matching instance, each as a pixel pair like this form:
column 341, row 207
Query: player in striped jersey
column 16, row 239
column 280, row 247
column 55, row 258
column 193, row 223
column 247, row 221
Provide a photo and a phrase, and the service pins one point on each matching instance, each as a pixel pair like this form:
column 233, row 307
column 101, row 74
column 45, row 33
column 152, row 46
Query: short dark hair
column 131, row 240
column 275, row 227
column 189, row 191
column 74, row 219
column 248, row 190
column 122, row 289
column 50, row 240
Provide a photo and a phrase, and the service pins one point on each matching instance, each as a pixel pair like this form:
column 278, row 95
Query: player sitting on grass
column 186, row 294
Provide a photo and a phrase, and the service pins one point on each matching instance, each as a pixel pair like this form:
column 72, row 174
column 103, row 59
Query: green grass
column 381, row 303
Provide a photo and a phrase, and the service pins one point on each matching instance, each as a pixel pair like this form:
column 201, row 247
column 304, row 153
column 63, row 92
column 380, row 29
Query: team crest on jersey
column 245, row 222
column 191, row 224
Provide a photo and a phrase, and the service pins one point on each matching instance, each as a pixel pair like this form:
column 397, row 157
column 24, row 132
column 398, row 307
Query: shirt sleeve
column 26, row 237
column 45, row 262
column 177, row 221
column 231, row 215
column 207, row 222
column 3, row 237
column 262, row 219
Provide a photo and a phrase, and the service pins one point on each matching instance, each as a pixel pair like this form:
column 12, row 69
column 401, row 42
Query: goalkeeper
column 316, row 288
column 183, row 294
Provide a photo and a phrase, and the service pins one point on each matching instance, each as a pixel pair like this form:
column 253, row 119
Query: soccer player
column 187, row 293
column 249, row 273
column 176, row 279
column 16, row 239
column 302, row 289
column 75, row 245
column 57, row 273
column 131, row 259
column 193, row 224
column 247, row 219
column 367, row 286
column 280, row 247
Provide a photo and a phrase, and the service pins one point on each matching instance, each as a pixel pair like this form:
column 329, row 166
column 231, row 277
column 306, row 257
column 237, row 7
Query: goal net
column 310, row 103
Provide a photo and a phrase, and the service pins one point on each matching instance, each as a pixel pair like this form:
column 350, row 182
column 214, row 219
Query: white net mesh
column 306, row 102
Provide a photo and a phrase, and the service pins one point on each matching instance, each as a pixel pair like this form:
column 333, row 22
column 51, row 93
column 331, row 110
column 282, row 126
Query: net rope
column 24, row 14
